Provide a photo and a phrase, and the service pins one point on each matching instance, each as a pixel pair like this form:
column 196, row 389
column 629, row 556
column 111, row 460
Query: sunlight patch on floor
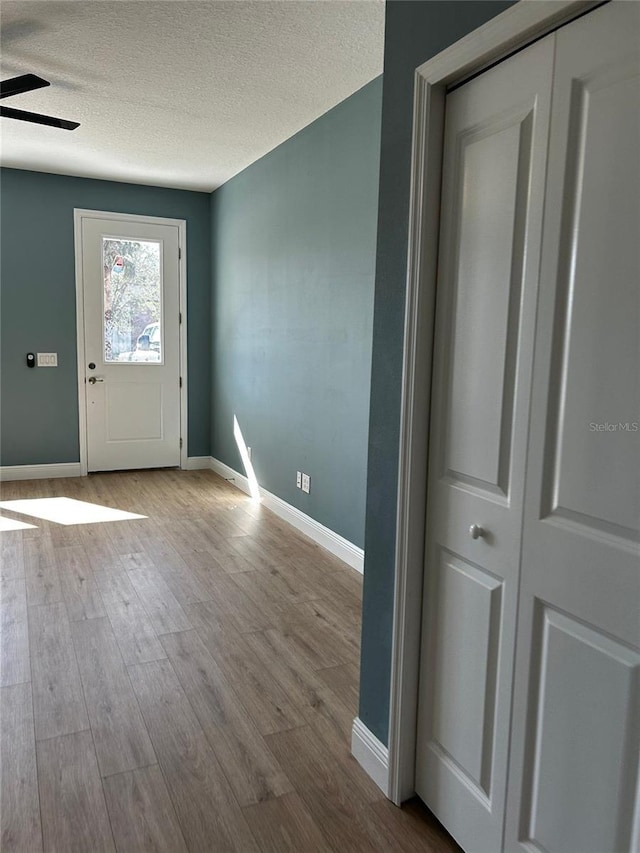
column 13, row 524
column 67, row 511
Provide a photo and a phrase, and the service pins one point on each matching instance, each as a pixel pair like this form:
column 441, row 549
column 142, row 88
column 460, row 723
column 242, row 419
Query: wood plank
column 79, row 589
column 58, row 700
column 19, row 804
column 265, row 700
column 101, row 554
column 277, row 586
column 344, row 680
column 410, row 829
column 11, row 554
column 143, row 819
column 251, row 769
column 187, row 585
column 134, row 632
column 318, row 703
column 119, row 734
column 126, row 535
column 315, row 641
column 14, row 633
column 285, row 826
column 41, row 571
column 162, row 608
column 341, row 618
column 208, row 813
column 309, row 761
column 74, row 814
column 230, row 606
column 335, row 793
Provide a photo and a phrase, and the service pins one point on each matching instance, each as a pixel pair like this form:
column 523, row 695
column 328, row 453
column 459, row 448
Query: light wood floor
column 186, row 681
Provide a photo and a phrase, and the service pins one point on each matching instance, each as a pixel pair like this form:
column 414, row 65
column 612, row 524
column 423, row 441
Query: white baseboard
column 333, row 542
column 198, row 463
column 40, row 472
column 371, row 754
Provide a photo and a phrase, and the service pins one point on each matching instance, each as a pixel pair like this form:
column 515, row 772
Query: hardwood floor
column 184, row 681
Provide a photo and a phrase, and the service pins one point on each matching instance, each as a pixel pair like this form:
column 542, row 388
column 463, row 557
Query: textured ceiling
column 180, row 93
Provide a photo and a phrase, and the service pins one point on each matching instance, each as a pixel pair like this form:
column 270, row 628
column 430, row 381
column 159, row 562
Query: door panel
column 121, row 398
column 468, row 630
column 573, row 781
column 131, row 328
column 592, row 383
column 478, row 449
column 493, row 180
column 580, row 774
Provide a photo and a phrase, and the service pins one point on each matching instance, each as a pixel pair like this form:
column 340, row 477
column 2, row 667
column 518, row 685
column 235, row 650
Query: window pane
column 132, row 301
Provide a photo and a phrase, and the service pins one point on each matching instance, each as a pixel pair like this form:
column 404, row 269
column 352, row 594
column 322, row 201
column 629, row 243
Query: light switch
column 47, row 359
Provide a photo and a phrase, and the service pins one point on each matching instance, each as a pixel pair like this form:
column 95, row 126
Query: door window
column 132, row 301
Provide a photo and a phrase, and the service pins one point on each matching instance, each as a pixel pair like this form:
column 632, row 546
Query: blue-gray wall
column 415, row 31
column 293, row 260
column 39, row 408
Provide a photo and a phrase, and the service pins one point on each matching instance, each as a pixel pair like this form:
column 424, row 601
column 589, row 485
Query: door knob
column 476, row 532
column 93, row 379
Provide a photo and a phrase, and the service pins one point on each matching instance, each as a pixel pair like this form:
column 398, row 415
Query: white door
column 496, row 135
column 530, row 678
column 574, row 775
column 130, row 284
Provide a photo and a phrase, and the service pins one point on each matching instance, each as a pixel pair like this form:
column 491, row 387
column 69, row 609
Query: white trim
column 80, row 349
column 40, row 472
column 323, row 536
column 371, row 754
column 183, row 341
column 509, row 31
column 198, row 463
column 78, row 215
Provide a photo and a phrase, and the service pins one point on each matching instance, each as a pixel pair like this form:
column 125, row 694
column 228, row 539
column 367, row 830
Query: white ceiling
column 180, row 93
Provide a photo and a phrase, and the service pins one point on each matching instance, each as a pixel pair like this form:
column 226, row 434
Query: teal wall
column 293, row 259
column 39, row 408
column 415, row 30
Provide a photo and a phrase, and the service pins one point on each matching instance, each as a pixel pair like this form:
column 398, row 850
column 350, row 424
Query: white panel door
column 573, row 783
column 131, row 341
column 495, row 149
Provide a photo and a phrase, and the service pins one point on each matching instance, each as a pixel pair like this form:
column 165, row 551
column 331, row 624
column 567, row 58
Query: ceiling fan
column 27, row 83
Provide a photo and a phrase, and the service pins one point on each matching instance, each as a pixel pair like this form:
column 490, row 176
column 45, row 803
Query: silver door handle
column 93, row 379
column 476, row 532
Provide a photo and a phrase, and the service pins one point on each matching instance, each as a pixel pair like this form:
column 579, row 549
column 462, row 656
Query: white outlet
column 306, row 483
column 249, row 452
column 47, row 359
column 299, row 479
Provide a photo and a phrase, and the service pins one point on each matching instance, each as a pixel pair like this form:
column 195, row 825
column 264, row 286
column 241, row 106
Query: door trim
column 78, row 215
column 508, row 32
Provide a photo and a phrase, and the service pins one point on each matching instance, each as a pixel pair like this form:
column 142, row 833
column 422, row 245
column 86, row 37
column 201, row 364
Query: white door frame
column 78, row 215
column 513, row 29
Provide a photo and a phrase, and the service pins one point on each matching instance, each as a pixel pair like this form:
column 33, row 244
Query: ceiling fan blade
column 24, row 83
column 36, row 118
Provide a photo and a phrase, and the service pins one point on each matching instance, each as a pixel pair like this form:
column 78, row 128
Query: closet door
column 494, row 172
column 573, row 780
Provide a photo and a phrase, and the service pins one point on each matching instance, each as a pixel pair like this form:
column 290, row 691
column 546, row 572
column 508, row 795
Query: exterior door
column 576, row 733
column 496, row 133
column 130, row 285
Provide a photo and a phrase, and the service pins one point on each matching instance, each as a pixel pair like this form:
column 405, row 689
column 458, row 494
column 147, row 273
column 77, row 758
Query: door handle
column 475, row 531
column 93, row 379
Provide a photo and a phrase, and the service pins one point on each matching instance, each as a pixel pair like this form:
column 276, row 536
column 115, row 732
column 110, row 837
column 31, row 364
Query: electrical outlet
column 299, row 479
column 249, row 452
column 306, row 483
